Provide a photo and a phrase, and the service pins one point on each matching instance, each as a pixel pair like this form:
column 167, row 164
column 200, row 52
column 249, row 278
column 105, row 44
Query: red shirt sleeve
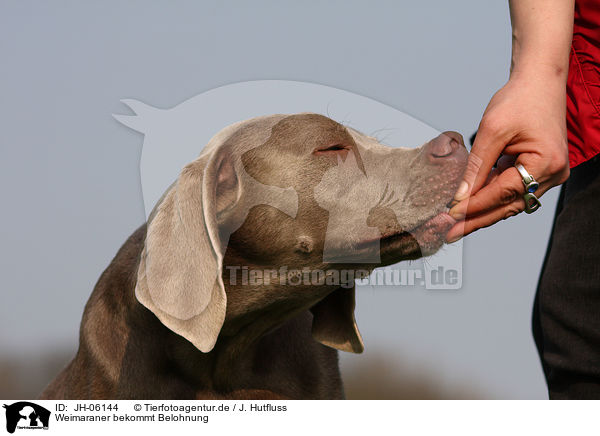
column 583, row 84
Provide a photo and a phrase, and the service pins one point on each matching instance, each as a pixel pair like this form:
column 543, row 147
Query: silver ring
column 531, row 201
column 530, row 184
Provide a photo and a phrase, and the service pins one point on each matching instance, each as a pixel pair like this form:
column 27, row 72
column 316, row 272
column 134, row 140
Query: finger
column 458, row 208
column 456, row 232
column 473, row 167
column 504, row 189
column 493, row 175
column 502, row 164
column 505, row 162
column 477, row 222
column 484, row 154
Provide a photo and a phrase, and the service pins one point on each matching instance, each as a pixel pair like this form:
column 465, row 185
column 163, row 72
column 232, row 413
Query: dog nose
column 445, row 146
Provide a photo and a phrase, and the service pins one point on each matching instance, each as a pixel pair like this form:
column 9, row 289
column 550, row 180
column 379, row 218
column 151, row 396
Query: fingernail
column 461, row 192
column 457, row 215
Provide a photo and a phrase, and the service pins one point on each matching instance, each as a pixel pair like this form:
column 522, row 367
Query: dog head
column 290, row 193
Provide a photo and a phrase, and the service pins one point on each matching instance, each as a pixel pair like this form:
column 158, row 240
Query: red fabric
column 583, row 84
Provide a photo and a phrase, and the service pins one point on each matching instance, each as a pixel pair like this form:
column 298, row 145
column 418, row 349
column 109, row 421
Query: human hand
column 525, row 122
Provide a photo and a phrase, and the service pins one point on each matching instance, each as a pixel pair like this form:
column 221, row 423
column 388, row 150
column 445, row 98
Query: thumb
column 486, row 150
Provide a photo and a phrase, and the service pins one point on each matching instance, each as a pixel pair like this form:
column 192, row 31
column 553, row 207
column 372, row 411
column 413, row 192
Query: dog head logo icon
column 26, row 415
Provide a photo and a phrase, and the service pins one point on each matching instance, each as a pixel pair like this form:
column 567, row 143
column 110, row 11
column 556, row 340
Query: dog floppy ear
column 334, row 324
column 179, row 276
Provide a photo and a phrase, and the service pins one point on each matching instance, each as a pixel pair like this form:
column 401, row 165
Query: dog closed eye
column 331, row 149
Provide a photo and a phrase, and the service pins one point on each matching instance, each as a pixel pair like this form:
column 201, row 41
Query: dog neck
column 246, row 324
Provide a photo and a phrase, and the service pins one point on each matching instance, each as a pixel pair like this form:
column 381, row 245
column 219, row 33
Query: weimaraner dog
column 233, row 288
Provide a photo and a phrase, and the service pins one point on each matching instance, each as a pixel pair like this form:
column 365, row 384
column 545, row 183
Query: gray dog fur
column 165, row 320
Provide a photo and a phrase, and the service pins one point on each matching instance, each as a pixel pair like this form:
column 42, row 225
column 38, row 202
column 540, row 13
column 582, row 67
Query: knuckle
column 508, row 195
column 559, row 164
column 511, row 211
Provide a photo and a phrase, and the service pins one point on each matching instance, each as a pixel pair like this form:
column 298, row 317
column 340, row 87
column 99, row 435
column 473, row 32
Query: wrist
column 549, row 75
column 540, row 68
